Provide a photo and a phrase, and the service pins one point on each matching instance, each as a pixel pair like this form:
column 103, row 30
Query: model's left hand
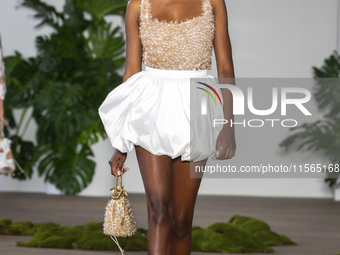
column 225, row 144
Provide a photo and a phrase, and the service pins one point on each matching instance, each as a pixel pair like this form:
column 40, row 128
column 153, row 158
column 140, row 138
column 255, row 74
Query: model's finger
column 113, row 172
column 230, row 152
column 226, row 155
column 224, row 151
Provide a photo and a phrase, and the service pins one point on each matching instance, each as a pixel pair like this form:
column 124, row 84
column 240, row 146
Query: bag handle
column 121, row 180
column 118, row 190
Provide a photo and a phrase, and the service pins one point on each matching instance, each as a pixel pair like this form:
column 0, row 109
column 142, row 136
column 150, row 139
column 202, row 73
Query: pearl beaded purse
column 119, row 219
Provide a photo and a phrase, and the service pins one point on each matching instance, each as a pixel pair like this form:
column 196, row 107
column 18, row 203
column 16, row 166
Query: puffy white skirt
column 152, row 109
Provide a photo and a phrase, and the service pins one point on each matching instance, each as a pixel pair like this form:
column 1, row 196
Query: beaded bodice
column 185, row 45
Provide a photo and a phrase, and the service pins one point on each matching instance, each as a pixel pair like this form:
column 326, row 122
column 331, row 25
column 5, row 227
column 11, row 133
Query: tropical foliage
column 323, row 135
column 61, row 89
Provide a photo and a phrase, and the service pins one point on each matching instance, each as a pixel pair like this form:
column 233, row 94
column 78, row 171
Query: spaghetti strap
column 144, row 12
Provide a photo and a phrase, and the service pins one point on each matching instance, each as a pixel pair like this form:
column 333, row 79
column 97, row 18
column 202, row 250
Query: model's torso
column 185, row 45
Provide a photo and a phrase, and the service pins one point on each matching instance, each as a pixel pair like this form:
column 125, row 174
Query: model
column 150, row 110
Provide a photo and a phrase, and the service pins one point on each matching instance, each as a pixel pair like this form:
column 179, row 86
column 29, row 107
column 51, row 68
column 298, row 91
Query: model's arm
column 225, row 145
column 133, row 63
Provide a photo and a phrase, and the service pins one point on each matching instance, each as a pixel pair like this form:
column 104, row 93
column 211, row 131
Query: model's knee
column 181, row 227
column 161, row 213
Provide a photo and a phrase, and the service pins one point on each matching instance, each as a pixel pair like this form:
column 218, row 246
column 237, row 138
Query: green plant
column 61, row 89
column 324, row 134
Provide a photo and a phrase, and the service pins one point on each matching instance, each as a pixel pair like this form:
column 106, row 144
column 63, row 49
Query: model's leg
column 157, row 179
column 184, row 193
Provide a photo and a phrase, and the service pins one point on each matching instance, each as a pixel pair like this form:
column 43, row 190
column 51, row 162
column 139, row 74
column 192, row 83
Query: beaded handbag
column 119, row 219
column 7, row 162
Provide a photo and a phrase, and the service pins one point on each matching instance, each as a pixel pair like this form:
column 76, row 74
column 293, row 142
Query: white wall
column 282, row 38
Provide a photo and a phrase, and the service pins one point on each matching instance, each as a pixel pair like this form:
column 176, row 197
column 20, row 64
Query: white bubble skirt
column 152, row 109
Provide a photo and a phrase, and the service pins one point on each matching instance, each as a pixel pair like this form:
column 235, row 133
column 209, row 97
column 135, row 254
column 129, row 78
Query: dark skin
column 170, row 191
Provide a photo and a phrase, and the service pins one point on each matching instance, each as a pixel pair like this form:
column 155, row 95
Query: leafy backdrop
column 61, row 89
column 323, row 135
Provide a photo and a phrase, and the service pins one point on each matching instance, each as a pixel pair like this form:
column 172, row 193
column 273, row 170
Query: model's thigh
column 184, row 190
column 157, row 179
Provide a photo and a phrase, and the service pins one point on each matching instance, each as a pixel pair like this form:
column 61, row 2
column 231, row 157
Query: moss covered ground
column 241, row 234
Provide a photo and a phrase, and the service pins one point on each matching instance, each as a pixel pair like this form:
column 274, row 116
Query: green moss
column 5, row 222
column 197, row 238
column 25, row 228
column 260, row 229
column 240, row 234
column 4, row 225
column 20, row 228
column 87, row 237
column 228, row 238
column 48, row 233
column 46, row 225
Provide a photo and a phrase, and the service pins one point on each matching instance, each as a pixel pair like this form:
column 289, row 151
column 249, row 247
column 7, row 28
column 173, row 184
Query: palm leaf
column 318, row 136
column 327, row 87
column 324, row 134
column 331, row 67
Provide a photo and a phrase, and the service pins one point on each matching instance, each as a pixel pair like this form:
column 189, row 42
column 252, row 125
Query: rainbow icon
column 209, row 93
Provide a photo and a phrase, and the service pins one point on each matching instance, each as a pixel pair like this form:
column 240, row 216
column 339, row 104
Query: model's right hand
column 117, row 163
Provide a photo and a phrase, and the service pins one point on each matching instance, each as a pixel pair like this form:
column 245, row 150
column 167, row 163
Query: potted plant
column 324, row 135
column 61, row 89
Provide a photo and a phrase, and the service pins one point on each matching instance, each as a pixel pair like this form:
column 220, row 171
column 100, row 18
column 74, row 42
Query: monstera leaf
column 60, row 90
column 103, row 42
column 70, row 168
column 99, row 8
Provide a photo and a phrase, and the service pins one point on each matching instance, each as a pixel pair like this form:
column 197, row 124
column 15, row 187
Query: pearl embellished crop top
column 185, row 45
